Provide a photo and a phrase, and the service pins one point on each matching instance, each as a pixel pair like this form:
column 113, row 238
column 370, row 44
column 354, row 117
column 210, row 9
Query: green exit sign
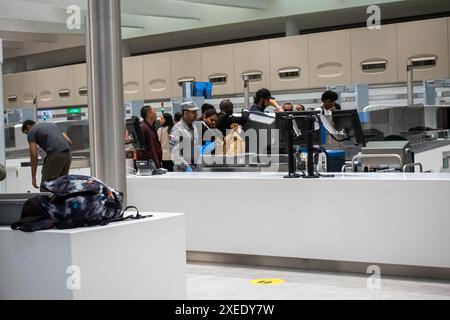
column 73, row 110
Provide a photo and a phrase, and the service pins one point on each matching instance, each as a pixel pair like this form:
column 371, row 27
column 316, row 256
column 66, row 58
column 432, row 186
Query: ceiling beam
column 150, row 8
column 243, row 4
column 36, row 27
column 12, row 44
column 27, row 36
column 21, row 10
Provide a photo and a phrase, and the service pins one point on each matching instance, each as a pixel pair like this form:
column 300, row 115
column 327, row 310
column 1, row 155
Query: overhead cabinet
column 64, row 86
column 289, row 68
column 186, row 67
column 45, row 88
column 329, row 58
column 374, row 55
column 11, row 91
column 218, row 68
column 426, row 43
column 27, row 88
column 133, row 78
column 80, row 84
column 157, row 76
column 251, row 59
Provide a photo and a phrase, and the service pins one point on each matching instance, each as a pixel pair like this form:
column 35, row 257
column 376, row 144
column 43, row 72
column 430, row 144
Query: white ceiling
column 34, row 26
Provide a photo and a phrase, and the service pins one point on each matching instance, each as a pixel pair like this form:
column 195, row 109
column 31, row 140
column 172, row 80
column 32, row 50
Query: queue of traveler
column 178, row 143
column 174, row 146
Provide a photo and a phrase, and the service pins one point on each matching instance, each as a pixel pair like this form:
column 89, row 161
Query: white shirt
column 324, row 111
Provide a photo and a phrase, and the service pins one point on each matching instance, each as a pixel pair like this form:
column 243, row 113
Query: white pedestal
column 140, row 259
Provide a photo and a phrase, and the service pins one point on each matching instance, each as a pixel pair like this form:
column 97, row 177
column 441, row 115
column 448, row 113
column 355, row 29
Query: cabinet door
column 329, row 58
column 252, row 59
column 133, row 78
column 64, row 86
column 289, row 68
column 186, row 66
column 27, row 88
column 218, row 68
column 45, row 88
column 426, row 42
column 11, row 92
column 80, row 84
column 157, row 76
column 374, row 55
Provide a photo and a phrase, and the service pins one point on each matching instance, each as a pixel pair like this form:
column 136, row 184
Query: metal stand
column 310, row 145
column 291, row 158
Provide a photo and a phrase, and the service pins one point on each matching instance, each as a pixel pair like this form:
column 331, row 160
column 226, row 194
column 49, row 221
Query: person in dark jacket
column 225, row 118
column 153, row 150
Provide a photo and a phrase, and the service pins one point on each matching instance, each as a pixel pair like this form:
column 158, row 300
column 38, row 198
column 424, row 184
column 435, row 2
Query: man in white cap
column 183, row 140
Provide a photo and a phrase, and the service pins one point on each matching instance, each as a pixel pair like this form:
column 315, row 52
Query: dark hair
column 207, row 106
column 226, row 106
column 144, row 111
column 209, row 113
column 169, row 121
column 27, row 123
column 177, row 116
column 329, row 95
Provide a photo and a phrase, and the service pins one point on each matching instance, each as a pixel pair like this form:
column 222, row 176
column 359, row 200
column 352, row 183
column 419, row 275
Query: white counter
column 396, row 218
column 139, row 259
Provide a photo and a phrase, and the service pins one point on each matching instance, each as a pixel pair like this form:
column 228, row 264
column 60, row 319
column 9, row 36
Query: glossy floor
column 226, row 282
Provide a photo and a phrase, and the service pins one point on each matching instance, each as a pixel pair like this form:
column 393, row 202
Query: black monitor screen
column 348, row 121
column 300, row 118
column 135, row 131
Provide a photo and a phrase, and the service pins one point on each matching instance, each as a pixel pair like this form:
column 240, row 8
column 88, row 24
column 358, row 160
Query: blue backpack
column 75, row 201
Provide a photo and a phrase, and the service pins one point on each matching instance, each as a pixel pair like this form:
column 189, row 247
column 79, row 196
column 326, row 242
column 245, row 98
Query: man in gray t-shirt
column 56, row 145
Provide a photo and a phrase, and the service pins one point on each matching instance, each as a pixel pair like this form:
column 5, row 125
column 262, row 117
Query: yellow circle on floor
column 267, row 282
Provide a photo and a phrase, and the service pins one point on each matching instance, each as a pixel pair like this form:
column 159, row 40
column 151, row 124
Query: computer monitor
column 260, row 122
column 79, row 135
column 300, row 119
column 134, row 130
column 348, row 122
column 202, row 89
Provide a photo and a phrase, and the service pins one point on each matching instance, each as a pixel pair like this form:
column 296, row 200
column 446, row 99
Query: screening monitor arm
column 339, row 136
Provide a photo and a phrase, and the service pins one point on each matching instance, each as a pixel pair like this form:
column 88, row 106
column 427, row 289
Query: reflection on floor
column 226, row 282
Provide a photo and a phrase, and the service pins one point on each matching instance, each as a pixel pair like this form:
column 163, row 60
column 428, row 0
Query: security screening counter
column 398, row 221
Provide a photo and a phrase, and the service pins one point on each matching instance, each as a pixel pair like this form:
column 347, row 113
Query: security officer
column 183, row 140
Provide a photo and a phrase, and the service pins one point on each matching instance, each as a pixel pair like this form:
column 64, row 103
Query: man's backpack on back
column 76, row 201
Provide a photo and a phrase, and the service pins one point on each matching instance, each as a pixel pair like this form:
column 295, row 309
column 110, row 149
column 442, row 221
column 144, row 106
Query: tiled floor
column 224, row 282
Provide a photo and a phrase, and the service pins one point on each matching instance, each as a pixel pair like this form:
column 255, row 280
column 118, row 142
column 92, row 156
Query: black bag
column 77, row 201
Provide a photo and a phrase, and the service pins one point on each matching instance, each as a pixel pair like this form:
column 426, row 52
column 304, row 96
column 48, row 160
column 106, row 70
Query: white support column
column 106, row 104
column 292, row 28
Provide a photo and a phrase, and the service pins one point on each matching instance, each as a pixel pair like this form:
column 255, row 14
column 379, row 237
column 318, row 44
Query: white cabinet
column 27, row 88
column 64, row 86
column 80, row 84
column 186, row 66
column 157, row 76
column 218, row 68
column 252, row 59
column 45, row 88
column 289, row 69
column 11, row 91
column 374, row 55
column 133, row 78
column 329, row 58
column 426, row 43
